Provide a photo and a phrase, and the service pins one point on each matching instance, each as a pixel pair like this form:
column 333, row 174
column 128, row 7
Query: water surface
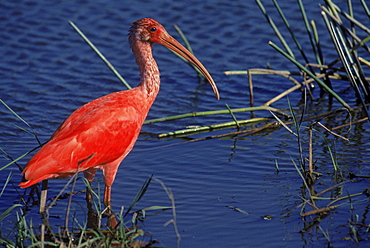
column 47, row 71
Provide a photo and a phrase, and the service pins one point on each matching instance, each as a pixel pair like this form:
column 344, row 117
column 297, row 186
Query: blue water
column 47, row 71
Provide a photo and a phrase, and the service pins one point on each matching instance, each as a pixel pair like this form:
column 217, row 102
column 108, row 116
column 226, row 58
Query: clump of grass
column 345, row 32
column 126, row 233
column 25, row 233
column 349, row 39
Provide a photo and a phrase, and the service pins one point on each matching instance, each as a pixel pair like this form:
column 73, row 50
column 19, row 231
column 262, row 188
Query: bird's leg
column 107, row 195
column 89, row 175
column 112, row 222
column 92, row 217
column 109, row 172
column 44, row 192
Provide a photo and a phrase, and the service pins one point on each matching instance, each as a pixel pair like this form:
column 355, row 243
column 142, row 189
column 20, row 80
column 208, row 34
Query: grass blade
column 139, row 195
column 300, row 66
column 110, row 66
column 21, row 119
column 7, row 211
column 214, row 112
column 347, row 61
column 291, row 32
column 365, row 8
column 309, row 32
column 276, row 30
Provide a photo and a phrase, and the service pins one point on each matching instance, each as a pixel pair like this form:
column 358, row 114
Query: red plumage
column 101, row 133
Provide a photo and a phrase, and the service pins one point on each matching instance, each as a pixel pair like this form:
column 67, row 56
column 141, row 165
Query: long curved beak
column 169, row 42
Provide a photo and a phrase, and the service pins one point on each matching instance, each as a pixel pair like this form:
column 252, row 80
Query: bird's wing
column 95, row 134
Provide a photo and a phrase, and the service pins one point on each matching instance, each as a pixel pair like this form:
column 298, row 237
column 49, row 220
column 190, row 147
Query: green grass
column 28, row 232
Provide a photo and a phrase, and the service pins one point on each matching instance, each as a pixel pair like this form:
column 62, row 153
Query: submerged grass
column 127, row 233
column 349, row 39
column 314, row 206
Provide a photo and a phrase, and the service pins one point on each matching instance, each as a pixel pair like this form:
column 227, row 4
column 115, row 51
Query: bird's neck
column 149, row 71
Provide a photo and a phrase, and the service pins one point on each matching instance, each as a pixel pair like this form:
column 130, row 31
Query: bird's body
column 100, row 134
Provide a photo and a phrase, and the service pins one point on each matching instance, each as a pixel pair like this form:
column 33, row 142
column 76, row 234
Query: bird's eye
column 153, row 29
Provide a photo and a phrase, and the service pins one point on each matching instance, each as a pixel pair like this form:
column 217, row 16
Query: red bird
column 100, row 134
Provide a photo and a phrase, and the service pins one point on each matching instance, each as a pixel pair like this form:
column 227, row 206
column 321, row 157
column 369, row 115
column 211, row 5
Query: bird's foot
column 111, row 222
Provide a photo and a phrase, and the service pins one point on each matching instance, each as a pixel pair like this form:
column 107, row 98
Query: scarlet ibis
column 101, row 133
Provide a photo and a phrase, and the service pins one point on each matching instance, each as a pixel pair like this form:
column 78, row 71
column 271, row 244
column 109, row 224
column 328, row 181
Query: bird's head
column 147, row 30
column 151, row 31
